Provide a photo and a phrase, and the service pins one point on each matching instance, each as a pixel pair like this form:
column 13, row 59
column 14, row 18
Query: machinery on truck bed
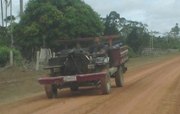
column 92, row 66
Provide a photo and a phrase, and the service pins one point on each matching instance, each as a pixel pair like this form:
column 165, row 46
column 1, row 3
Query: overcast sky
column 160, row 15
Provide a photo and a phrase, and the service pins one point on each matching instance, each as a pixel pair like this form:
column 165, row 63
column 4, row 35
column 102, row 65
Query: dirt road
column 150, row 89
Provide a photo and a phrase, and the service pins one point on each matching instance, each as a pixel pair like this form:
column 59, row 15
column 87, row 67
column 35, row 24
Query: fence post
column 37, row 60
column 11, row 58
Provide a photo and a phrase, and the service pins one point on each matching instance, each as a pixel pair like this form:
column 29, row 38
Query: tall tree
column 21, row 7
column 138, row 37
column 135, row 33
column 112, row 23
column 175, row 30
column 8, row 19
column 2, row 13
column 133, row 40
column 3, row 34
column 7, row 3
column 44, row 22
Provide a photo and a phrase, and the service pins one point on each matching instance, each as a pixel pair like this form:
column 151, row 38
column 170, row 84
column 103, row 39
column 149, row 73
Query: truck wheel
column 106, row 85
column 51, row 91
column 119, row 78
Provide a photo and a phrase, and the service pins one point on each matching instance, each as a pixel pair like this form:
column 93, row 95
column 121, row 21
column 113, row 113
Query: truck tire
column 106, row 85
column 51, row 91
column 119, row 78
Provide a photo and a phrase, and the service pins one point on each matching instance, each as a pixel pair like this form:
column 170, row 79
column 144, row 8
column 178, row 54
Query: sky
column 160, row 15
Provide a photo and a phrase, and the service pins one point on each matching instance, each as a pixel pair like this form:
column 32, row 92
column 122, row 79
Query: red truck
column 95, row 66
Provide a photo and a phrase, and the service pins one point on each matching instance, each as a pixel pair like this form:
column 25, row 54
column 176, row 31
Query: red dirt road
column 150, row 89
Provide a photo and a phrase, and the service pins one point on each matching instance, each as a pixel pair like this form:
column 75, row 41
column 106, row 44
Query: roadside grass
column 143, row 60
column 16, row 83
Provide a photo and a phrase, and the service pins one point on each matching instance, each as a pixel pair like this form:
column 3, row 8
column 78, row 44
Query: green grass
column 143, row 60
column 16, row 83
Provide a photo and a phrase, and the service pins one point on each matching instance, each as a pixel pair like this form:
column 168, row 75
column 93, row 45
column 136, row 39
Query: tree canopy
column 112, row 23
column 134, row 34
column 175, row 31
column 44, row 22
column 72, row 18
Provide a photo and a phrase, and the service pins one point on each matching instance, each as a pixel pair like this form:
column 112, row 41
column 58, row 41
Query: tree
column 175, row 31
column 112, row 23
column 132, row 40
column 7, row 3
column 135, row 33
column 38, row 27
column 2, row 13
column 3, row 36
column 139, row 37
column 49, row 21
column 8, row 19
column 21, row 7
column 172, row 37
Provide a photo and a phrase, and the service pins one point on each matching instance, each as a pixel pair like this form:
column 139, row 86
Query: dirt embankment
column 150, row 89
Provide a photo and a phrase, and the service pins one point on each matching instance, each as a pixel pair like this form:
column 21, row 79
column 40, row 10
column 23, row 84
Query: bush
column 4, row 56
column 131, row 53
column 17, row 57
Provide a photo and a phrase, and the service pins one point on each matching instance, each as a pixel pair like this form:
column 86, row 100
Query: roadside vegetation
column 45, row 23
column 17, row 83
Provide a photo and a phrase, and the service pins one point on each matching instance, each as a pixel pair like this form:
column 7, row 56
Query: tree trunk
column 44, row 41
column 21, row 7
column 11, row 58
column 2, row 13
column 6, row 4
column 12, row 39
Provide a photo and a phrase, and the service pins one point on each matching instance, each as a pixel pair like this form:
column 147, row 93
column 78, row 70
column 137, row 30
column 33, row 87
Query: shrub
column 17, row 57
column 4, row 56
column 131, row 53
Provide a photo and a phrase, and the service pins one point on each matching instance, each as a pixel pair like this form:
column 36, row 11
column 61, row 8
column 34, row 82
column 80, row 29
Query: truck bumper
column 72, row 78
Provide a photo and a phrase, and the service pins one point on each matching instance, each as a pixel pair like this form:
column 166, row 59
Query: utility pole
column 12, row 39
